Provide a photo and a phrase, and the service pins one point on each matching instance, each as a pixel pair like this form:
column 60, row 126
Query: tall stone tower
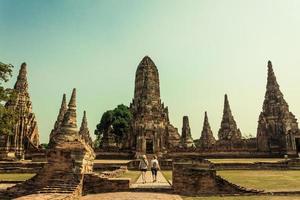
column 207, row 138
column 62, row 111
column 186, row 136
column 67, row 131
column 25, row 136
column 67, row 142
column 228, row 130
column 277, row 127
column 151, row 130
column 84, row 132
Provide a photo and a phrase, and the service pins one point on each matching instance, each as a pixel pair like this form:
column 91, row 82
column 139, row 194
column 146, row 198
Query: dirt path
column 132, row 196
column 161, row 182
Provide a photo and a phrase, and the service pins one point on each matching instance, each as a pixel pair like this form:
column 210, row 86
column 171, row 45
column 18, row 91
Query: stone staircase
column 61, row 182
column 49, row 181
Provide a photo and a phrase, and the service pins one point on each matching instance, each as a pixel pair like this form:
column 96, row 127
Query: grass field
column 246, row 160
column 15, row 177
column 244, row 198
column 268, row 180
column 167, row 175
column 134, row 175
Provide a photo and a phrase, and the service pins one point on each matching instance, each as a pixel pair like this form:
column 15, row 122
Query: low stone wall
column 290, row 164
column 94, row 183
column 293, row 163
column 250, row 166
column 115, row 173
column 134, row 164
column 21, row 167
column 165, row 164
column 108, row 166
column 197, row 177
column 37, row 156
column 113, row 155
column 225, row 154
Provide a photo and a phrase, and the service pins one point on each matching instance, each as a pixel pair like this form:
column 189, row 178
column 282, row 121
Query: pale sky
column 202, row 49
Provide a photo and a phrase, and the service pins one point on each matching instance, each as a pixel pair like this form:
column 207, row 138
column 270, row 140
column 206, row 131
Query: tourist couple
column 144, row 167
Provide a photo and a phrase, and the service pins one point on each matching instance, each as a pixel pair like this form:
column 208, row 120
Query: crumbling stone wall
column 114, row 173
column 94, row 183
column 198, row 177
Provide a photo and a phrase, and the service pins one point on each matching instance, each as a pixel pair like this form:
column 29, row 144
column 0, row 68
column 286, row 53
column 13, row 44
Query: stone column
column 143, row 142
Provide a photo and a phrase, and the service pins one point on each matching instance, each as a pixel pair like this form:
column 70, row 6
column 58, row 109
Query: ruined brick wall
column 21, row 167
column 191, row 177
column 220, row 146
column 241, row 145
column 94, row 183
column 114, row 173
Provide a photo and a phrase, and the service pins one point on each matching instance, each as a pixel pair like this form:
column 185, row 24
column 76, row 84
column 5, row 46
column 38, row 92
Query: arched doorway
column 297, row 142
column 149, row 146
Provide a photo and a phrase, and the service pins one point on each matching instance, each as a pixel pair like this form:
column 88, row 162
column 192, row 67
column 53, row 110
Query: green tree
column 45, row 145
column 119, row 118
column 105, row 122
column 7, row 116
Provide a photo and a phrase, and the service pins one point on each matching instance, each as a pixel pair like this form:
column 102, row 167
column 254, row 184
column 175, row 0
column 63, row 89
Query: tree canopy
column 119, row 118
column 7, row 116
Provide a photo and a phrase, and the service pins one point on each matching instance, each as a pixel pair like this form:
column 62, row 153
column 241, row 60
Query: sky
column 202, row 49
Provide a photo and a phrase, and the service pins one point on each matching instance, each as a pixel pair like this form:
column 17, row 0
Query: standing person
column 143, row 167
column 154, row 168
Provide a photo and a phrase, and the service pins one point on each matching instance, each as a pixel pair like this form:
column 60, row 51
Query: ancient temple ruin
column 277, row 129
column 69, row 158
column 68, row 138
column 196, row 176
column 228, row 130
column 186, row 136
column 207, row 138
column 84, row 133
column 25, row 136
column 109, row 139
column 151, row 130
column 60, row 117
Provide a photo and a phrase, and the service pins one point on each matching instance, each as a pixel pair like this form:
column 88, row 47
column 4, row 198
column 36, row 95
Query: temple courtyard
column 74, row 166
column 275, row 184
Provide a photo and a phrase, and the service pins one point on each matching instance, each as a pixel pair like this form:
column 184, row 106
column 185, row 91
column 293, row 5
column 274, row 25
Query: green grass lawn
column 244, row 198
column 246, row 160
column 15, row 177
column 134, row 175
column 268, row 180
column 167, row 175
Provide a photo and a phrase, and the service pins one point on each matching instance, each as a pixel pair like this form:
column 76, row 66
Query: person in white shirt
column 143, row 167
column 154, row 168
